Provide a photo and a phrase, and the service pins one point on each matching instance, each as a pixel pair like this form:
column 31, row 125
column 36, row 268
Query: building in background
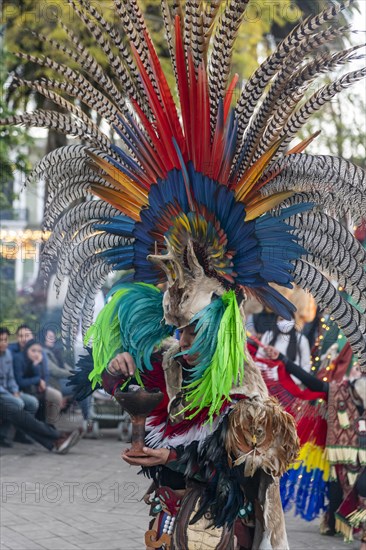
column 20, row 228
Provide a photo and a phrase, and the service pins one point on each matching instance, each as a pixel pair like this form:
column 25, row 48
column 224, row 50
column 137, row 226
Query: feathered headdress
column 205, row 187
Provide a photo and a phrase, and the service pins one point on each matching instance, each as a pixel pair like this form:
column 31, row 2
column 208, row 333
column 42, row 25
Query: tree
column 14, row 144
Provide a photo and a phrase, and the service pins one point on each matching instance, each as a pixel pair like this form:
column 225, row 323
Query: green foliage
column 14, row 144
column 14, row 309
column 253, row 43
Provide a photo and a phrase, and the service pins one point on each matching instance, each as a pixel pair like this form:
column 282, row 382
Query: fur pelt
column 262, row 435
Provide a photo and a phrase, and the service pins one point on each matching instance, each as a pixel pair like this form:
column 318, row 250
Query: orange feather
column 252, row 175
column 116, row 199
column 266, row 203
column 119, row 177
column 299, row 148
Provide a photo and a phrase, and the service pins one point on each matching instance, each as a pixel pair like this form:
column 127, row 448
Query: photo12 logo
column 71, row 492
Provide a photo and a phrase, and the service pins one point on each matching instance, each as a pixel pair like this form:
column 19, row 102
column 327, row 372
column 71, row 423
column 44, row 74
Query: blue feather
column 127, row 158
column 208, row 323
column 79, row 379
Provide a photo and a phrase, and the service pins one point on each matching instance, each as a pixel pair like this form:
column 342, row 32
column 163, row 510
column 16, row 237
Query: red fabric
column 340, row 366
column 172, row 456
column 349, row 504
column 111, row 383
column 289, row 384
column 310, row 425
column 312, row 428
column 169, row 500
column 252, row 349
column 154, row 379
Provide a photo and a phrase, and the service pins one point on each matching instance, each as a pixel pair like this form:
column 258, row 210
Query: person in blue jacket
column 32, row 375
column 9, row 390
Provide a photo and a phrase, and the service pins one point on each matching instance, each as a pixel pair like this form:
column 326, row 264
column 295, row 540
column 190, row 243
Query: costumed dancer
column 342, row 431
column 208, row 199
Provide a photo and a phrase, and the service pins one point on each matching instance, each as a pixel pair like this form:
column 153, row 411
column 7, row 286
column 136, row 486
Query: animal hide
column 262, row 435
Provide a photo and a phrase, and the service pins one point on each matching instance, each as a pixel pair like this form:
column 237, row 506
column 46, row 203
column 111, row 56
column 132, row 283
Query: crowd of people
column 34, row 391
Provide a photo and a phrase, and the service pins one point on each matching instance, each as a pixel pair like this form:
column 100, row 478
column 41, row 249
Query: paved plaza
column 91, row 500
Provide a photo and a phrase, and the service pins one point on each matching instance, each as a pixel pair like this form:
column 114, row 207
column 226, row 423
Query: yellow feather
column 299, row 148
column 116, row 199
column 122, row 196
column 251, row 176
column 266, row 203
column 131, row 199
column 120, row 178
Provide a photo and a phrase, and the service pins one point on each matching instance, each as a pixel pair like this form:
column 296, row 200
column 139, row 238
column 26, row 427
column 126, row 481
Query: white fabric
column 281, row 344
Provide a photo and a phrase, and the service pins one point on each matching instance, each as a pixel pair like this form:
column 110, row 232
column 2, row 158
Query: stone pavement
column 91, row 500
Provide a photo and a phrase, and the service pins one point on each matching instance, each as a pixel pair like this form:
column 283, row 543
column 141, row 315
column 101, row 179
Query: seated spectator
column 59, row 372
column 288, row 341
column 58, row 369
column 48, row 436
column 24, row 333
column 32, row 377
column 10, row 390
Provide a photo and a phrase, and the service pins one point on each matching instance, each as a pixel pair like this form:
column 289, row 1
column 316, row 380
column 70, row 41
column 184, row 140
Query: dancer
column 345, row 447
column 287, row 339
column 207, row 199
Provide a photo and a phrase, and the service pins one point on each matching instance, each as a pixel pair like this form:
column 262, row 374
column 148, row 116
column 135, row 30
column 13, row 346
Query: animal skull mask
column 189, row 288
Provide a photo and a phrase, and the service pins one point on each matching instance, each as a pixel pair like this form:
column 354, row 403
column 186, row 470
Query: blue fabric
column 7, row 379
column 10, row 402
column 26, row 380
column 306, row 491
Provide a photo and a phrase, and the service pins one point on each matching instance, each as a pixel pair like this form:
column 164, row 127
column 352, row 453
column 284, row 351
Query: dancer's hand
column 123, row 364
column 154, row 457
column 272, row 352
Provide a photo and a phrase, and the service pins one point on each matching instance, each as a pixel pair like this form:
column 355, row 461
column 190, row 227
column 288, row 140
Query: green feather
column 226, row 367
column 131, row 321
column 106, row 336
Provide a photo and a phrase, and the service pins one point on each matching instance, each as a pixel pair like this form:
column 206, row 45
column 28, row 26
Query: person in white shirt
column 288, row 341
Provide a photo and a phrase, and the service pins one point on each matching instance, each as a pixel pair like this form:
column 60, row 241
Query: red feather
column 183, row 88
column 229, row 95
column 163, row 127
column 147, row 150
column 166, row 97
column 161, row 158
